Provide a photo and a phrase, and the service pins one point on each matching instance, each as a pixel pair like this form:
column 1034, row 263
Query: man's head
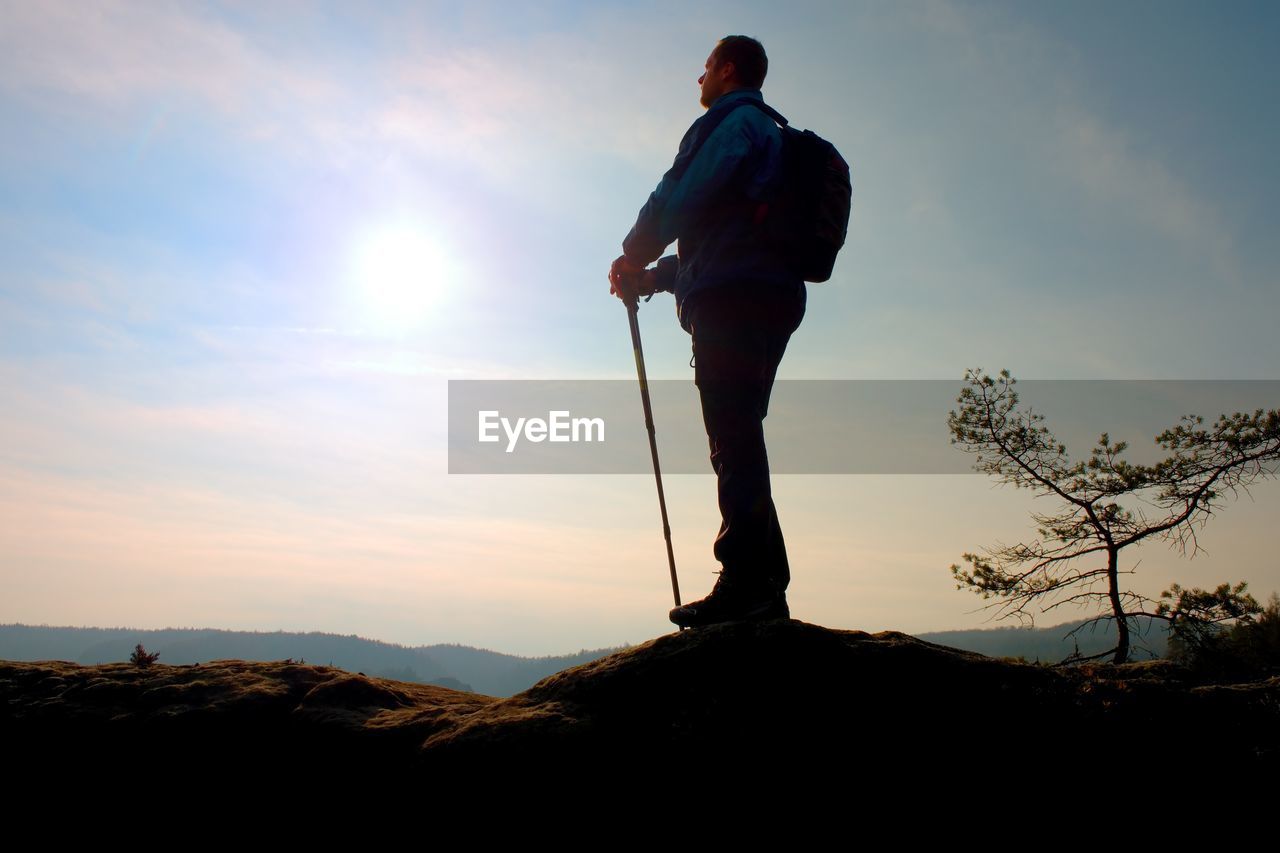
column 737, row 62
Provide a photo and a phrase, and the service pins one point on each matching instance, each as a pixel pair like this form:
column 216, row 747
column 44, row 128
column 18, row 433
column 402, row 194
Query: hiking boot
column 731, row 600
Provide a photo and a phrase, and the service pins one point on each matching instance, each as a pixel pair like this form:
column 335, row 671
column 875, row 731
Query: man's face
column 713, row 81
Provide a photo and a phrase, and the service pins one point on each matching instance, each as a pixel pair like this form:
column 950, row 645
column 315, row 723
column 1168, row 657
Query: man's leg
column 739, row 337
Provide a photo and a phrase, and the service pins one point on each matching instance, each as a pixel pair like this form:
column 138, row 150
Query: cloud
column 518, row 111
column 113, row 52
column 563, row 100
column 1103, row 162
column 562, row 88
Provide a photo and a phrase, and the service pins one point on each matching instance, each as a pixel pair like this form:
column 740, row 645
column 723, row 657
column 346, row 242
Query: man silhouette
column 740, row 300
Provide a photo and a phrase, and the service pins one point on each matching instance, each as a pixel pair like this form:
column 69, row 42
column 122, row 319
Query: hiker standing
column 740, row 300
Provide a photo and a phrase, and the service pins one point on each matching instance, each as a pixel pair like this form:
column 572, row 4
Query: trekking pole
column 631, row 298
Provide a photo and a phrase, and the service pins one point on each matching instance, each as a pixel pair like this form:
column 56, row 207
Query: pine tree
column 1076, row 558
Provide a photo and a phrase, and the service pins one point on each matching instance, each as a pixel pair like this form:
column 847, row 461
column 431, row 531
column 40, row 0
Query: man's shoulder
column 742, row 115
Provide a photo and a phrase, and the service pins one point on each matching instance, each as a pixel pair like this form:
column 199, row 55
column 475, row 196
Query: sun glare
column 401, row 274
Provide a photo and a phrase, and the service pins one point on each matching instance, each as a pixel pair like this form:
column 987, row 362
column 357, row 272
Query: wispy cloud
column 563, row 100
column 114, row 52
column 1129, row 184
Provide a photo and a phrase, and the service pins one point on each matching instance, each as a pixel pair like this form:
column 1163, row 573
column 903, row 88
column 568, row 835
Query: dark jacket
column 710, row 203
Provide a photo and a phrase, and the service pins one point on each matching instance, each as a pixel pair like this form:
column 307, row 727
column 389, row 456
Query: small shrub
column 141, row 657
column 1250, row 646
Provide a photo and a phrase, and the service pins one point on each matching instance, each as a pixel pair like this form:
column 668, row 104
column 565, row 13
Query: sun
column 401, row 274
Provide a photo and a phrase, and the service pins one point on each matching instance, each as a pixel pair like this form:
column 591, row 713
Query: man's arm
column 681, row 196
column 714, row 168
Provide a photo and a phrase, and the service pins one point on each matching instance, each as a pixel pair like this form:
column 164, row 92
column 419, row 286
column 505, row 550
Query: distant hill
column 454, row 666
column 1150, row 638
column 463, row 667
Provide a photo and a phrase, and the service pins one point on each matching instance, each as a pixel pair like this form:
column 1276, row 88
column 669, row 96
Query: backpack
column 808, row 218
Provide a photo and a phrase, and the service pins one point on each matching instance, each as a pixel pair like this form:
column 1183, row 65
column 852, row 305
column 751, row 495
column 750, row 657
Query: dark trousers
column 739, row 336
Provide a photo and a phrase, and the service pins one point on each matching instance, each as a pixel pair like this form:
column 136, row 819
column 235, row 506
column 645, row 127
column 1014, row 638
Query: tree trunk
column 1122, row 624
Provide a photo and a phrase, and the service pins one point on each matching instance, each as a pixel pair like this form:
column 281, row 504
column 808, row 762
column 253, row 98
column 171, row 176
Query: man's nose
column 702, row 77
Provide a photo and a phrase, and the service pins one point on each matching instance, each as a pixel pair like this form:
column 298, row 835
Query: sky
column 245, row 247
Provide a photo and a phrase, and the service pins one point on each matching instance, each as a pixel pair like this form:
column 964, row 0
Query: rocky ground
column 781, row 694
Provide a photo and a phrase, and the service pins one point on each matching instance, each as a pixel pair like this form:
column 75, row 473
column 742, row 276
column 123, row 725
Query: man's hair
column 747, row 55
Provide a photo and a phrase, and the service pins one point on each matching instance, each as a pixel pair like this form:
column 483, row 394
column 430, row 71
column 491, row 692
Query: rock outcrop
column 782, row 693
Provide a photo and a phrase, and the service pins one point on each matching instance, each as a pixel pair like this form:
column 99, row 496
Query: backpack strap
column 771, row 112
column 710, row 122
